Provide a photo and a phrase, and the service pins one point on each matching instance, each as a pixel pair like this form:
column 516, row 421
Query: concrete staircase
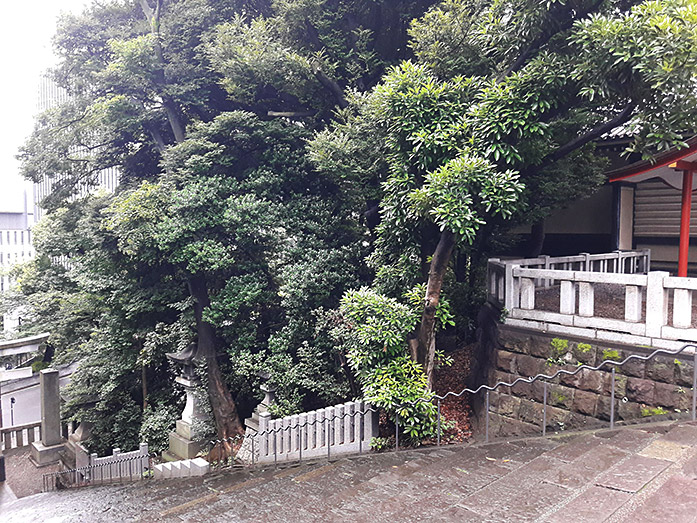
column 185, row 468
column 644, row 473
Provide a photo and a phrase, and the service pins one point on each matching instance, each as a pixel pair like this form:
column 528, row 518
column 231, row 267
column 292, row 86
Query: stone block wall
column 660, row 387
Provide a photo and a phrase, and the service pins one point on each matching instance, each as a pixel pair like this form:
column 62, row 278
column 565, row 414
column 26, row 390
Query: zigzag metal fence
column 547, row 378
column 304, row 442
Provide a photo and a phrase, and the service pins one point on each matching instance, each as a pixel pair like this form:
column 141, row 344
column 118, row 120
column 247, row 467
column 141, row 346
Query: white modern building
column 15, row 247
column 16, row 221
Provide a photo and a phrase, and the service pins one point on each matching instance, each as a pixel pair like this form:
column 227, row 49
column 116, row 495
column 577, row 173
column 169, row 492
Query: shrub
column 156, row 426
column 38, row 366
column 401, row 387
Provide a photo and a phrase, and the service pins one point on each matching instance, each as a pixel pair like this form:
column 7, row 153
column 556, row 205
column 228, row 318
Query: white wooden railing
column 341, row 429
column 645, row 296
column 121, row 462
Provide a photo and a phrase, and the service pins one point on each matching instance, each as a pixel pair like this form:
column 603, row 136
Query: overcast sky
column 26, row 29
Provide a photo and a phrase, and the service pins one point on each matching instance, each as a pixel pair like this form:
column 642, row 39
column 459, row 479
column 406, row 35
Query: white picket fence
column 122, row 463
column 341, row 429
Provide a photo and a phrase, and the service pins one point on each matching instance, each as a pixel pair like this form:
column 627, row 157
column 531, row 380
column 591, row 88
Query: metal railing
column 546, row 378
column 124, row 470
column 220, row 451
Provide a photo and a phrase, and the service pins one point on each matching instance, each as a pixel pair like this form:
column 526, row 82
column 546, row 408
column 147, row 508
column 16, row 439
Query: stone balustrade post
column 632, row 303
column 656, row 303
column 586, row 299
column 682, row 308
column 264, row 418
column 567, row 297
column 527, row 293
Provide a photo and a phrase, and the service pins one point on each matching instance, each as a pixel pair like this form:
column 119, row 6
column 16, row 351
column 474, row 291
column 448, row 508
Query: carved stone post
column 48, row 449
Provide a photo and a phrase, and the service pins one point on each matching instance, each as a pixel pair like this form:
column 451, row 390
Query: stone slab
column 632, row 475
column 6, row 494
column 42, row 455
column 674, row 501
column 632, row 440
column 593, row 506
column 530, row 449
column 660, row 449
column 685, row 435
column 460, row 514
column 507, row 488
column 529, row 504
column 586, row 468
column 571, row 450
column 199, row 467
column 182, row 447
column 184, row 429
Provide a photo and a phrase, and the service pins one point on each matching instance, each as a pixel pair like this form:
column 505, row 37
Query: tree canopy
column 312, row 187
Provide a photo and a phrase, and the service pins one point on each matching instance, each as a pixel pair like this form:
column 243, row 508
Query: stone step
column 253, row 422
column 533, row 479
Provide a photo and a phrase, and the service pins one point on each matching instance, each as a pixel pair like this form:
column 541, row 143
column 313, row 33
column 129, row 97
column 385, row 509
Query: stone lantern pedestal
column 184, row 442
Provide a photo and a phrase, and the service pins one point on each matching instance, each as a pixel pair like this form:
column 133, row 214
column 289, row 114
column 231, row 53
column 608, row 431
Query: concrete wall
column 643, row 390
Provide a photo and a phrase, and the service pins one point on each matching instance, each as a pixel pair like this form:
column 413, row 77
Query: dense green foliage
column 433, row 127
column 495, row 118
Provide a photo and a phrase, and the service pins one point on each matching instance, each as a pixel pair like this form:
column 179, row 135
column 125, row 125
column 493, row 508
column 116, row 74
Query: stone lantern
column 184, row 442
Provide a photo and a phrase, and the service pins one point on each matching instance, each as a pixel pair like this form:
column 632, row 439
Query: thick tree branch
column 591, row 135
column 291, row 114
column 425, row 346
column 328, row 83
column 147, row 10
column 156, row 136
column 331, row 85
column 170, row 106
column 534, row 47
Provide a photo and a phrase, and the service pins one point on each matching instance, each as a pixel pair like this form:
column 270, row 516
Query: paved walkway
column 641, row 474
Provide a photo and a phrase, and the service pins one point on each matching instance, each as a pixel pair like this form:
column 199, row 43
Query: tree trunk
column 144, row 378
column 227, row 420
column 426, row 335
column 537, row 239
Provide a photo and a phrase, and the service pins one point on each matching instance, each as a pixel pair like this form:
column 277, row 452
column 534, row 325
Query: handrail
column 20, row 427
column 540, row 377
column 83, row 476
column 567, row 372
column 329, row 421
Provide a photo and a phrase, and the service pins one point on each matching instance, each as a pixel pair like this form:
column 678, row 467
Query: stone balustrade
column 20, row 435
column 341, row 429
column 646, row 297
column 23, row 435
column 122, row 464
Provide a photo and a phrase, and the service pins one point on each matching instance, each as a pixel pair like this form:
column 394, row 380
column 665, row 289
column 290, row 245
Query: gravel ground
column 609, row 302
column 22, row 476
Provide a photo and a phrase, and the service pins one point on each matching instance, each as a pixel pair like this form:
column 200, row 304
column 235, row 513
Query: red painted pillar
column 685, row 222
